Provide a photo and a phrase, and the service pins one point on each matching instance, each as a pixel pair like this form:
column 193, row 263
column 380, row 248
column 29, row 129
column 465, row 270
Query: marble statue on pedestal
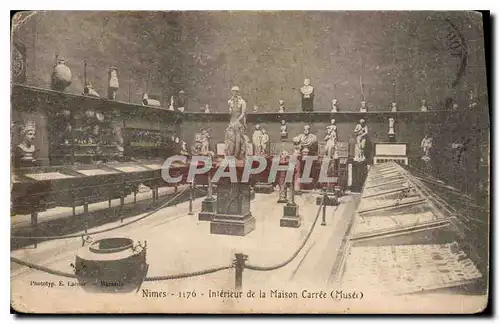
column 426, row 146
column 361, row 133
column 308, row 140
column 283, row 130
column 183, row 150
column 25, row 151
column 307, row 94
column 234, row 140
column 331, row 140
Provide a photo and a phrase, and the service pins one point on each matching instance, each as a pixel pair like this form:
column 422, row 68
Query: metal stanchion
column 323, row 216
column 34, row 224
column 122, row 204
column 191, row 193
column 86, row 214
column 239, row 265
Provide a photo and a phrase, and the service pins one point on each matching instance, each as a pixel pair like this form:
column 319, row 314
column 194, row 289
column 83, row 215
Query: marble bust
column 307, row 93
column 25, row 151
column 394, row 107
column 308, row 140
column 363, row 107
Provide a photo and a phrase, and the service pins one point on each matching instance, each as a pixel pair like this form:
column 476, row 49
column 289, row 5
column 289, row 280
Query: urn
column 61, row 76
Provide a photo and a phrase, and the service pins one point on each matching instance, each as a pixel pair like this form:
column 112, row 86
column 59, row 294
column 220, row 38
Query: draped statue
column 234, row 141
column 331, row 140
column 361, row 133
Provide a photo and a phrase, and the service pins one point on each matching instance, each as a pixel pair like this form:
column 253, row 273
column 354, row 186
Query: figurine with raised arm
column 234, row 140
column 307, row 94
column 361, row 133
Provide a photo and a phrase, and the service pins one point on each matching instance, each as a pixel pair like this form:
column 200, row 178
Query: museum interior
column 100, row 100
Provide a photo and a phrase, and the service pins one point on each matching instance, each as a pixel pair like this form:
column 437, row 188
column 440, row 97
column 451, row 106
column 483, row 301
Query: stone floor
column 178, row 242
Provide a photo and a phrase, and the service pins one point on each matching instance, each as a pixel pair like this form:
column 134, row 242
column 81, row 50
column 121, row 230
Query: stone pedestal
column 291, row 217
column 266, row 188
column 331, row 199
column 208, row 209
column 233, row 215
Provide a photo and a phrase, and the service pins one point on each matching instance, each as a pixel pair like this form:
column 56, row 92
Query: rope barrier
column 103, row 230
column 156, row 278
column 42, row 268
column 187, row 275
column 284, row 263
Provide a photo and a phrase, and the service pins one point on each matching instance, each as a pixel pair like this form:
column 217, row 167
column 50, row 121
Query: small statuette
column 283, row 130
column 207, row 109
column 423, row 106
column 281, row 108
column 113, row 84
column 90, row 91
column 171, row 106
column 394, row 107
column 426, row 146
column 146, row 101
column 255, row 108
column 335, row 107
column 391, row 133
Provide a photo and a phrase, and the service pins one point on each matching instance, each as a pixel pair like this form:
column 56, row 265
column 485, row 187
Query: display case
column 411, row 234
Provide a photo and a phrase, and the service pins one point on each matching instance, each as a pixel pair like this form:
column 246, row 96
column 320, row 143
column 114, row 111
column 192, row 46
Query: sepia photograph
column 249, row 162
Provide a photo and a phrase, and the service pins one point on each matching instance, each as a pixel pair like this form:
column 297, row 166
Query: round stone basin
column 111, row 245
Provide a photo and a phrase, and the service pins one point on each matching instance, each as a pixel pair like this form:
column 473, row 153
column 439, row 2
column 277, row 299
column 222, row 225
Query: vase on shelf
column 61, row 76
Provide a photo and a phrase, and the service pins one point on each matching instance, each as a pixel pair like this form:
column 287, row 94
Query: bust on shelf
column 308, row 140
column 25, row 151
column 363, row 107
column 307, row 94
